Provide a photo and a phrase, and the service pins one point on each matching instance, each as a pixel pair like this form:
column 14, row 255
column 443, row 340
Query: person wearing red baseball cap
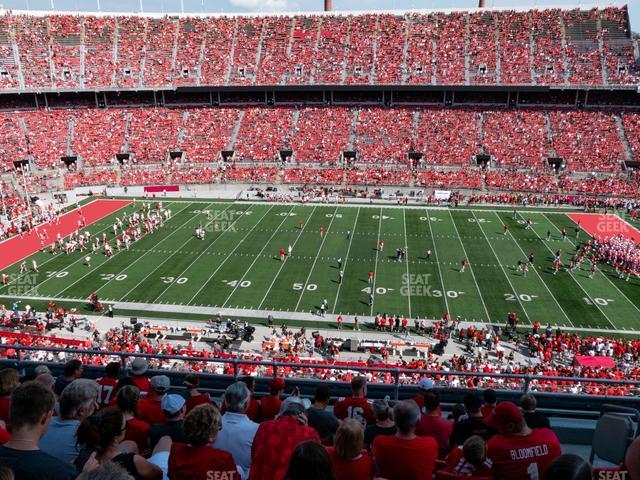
column 270, row 405
column 517, row 451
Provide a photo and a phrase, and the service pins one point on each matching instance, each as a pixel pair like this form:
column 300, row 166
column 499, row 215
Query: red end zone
column 605, row 226
column 16, row 249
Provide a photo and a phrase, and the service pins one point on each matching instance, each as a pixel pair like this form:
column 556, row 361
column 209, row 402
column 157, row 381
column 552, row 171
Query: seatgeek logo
column 217, row 475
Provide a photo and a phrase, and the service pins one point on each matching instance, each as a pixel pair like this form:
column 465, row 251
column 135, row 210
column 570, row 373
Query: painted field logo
column 416, row 285
column 22, row 284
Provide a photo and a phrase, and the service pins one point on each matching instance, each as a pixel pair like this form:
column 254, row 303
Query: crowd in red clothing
column 587, row 141
column 361, row 49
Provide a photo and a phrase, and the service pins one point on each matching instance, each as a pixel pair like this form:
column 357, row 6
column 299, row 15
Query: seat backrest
column 444, row 475
column 612, row 436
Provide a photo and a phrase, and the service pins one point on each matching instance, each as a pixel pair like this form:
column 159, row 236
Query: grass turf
column 237, row 265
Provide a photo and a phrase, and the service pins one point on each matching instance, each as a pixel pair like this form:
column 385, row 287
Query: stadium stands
column 573, row 47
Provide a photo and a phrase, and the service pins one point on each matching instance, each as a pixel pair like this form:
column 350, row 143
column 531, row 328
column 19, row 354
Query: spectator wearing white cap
column 139, row 368
column 149, row 407
column 237, row 433
column 423, row 386
column 174, row 408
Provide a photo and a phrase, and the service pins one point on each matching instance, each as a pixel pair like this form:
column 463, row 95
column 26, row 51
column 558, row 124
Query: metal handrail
column 396, row 372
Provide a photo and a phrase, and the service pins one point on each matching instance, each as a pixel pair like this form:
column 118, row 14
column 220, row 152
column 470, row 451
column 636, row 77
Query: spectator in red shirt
column 356, row 406
column 197, row 459
column 107, row 384
column 194, row 397
column 270, row 405
column 405, row 455
column 275, row 441
column 517, row 451
column 424, row 385
column 470, row 459
column 137, row 430
column 350, row 461
column 9, row 381
column 310, row 461
column 433, row 425
column 490, row 399
column 149, row 407
column 139, row 369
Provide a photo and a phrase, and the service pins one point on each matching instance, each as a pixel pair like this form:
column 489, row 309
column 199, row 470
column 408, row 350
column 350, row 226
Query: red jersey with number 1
column 521, row 457
column 357, row 408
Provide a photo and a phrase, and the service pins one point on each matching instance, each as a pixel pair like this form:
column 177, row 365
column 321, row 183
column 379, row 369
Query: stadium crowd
column 135, row 425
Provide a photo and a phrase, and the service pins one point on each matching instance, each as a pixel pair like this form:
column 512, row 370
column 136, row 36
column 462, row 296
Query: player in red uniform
column 517, row 451
column 506, row 228
column 321, row 231
column 282, row 254
column 356, row 406
column 370, row 277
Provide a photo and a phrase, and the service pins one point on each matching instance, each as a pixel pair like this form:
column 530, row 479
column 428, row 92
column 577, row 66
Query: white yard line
column 515, row 292
column 470, row 267
column 324, row 237
column 600, row 271
column 539, row 276
column 346, row 259
column 282, row 264
column 227, row 228
column 158, row 266
column 571, row 273
column 228, row 256
column 90, row 271
column 121, row 251
column 435, row 252
column 258, row 255
column 372, row 292
column 406, row 260
column 53, row 257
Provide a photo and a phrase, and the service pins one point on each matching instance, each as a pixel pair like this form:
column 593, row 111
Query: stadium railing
column 581, row 405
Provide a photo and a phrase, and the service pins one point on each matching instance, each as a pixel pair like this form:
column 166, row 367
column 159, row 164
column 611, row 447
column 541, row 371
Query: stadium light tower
column 328, row 5
column 481, row 3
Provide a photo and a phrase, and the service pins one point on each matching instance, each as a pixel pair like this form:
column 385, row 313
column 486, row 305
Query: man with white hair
column 77, row 402
column 237, row 431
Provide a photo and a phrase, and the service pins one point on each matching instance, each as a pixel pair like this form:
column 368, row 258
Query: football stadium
column 307, row 240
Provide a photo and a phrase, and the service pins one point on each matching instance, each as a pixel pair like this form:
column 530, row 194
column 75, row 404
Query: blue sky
column 228, row 6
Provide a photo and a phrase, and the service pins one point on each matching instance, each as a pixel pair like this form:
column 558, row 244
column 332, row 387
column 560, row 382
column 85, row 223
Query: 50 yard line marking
column 372, row 292
column 284, row 219
column 324, row 237
column 502, row 268
column 346, row 259
column 435, row 252
column 275, row 277
column 406, row 250
column 464, row 250
column 537, row 273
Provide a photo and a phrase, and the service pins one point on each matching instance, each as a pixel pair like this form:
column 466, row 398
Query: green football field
column 237, row 265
